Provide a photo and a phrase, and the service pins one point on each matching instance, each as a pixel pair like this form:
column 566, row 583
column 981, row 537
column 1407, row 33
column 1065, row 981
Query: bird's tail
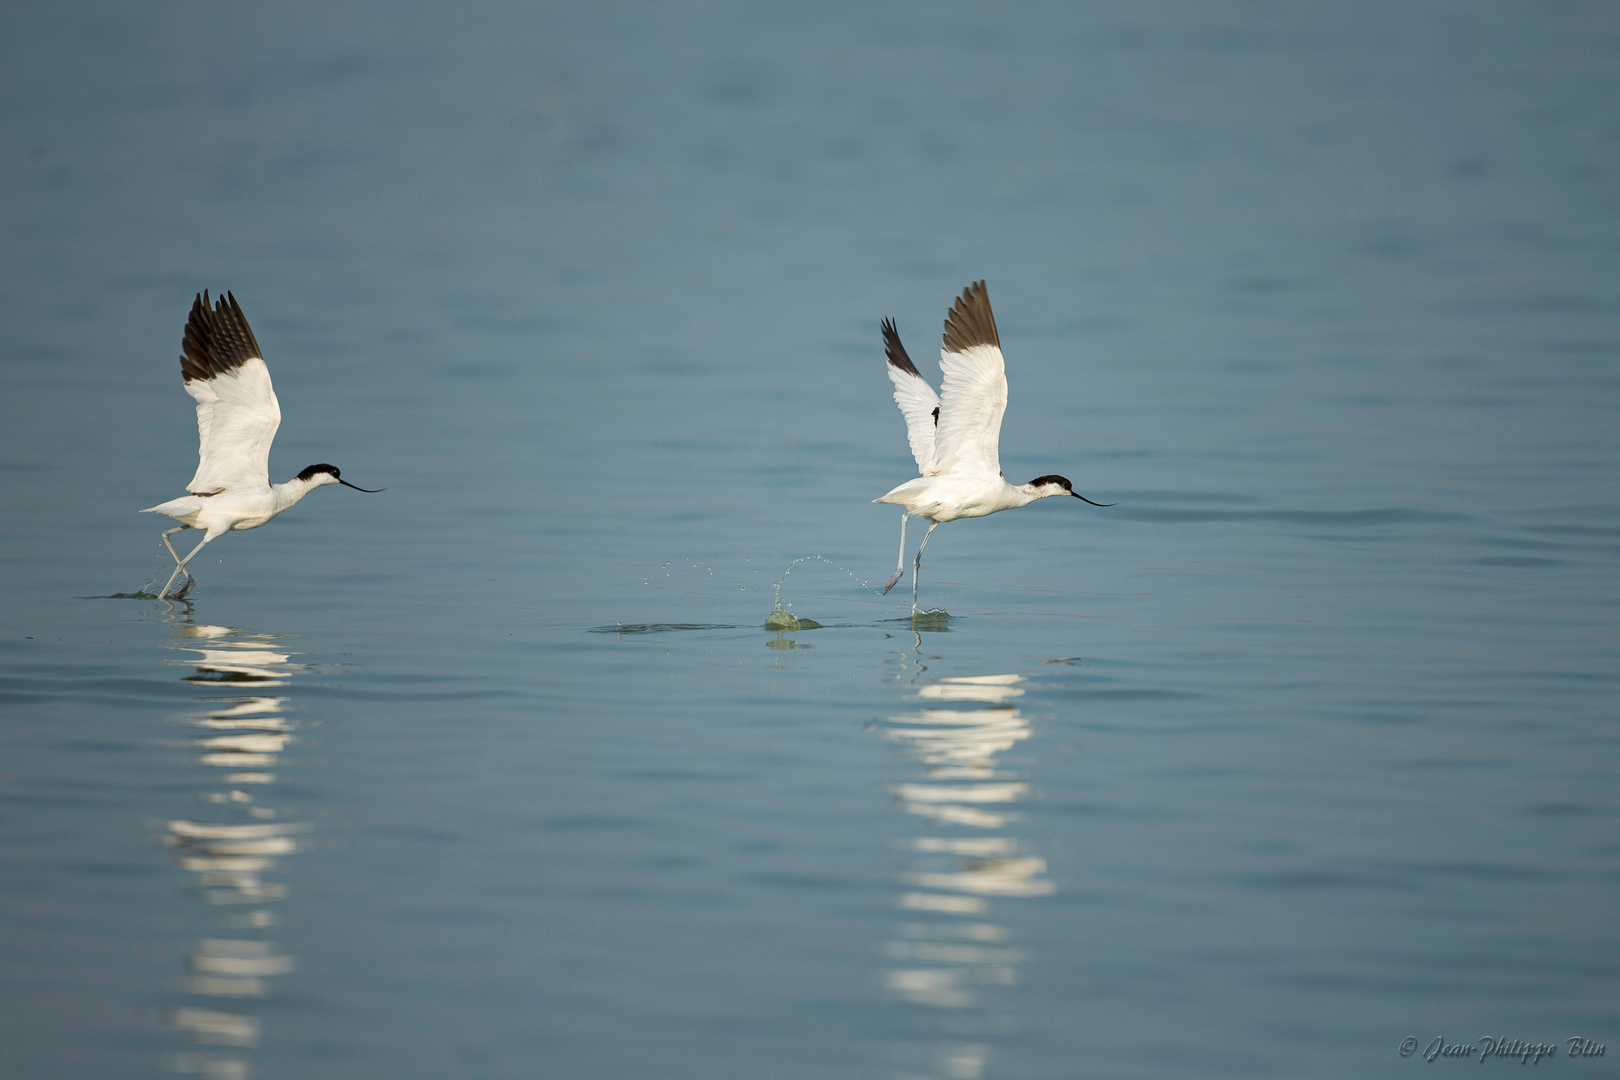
column 175, row 508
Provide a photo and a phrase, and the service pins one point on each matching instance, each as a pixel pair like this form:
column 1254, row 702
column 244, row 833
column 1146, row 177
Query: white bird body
column 237, row 418
column 946, row 498
column 955, row 435
column 239, row 509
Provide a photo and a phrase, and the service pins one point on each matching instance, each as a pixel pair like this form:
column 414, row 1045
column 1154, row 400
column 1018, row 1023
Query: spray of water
column 782, row 617
column 664, row 570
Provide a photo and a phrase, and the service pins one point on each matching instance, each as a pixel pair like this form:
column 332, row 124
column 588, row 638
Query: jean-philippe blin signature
column 1489, row 1046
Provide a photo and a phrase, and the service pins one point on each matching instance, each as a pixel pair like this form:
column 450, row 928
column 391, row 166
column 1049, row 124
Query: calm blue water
column 1306, row 747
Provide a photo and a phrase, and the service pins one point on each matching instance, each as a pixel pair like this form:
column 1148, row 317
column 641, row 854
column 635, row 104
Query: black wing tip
column 895, row 351
column 971, row 322
column 218, row 339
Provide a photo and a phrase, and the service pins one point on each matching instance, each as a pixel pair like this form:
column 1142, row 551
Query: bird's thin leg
column 917, row 566
column 900, row 561
column 182, row 566
column 168, row 533
column 173, row 554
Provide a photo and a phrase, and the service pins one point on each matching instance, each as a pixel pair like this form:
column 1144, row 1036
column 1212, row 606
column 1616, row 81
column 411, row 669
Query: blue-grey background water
column 1306, row 747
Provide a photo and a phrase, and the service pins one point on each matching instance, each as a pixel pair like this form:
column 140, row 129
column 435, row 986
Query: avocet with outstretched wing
column 237, row 417
column 956, row 434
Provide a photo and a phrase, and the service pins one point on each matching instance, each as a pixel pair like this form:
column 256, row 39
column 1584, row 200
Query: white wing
column 237, row 412
column 973, row 394
column 917, row 400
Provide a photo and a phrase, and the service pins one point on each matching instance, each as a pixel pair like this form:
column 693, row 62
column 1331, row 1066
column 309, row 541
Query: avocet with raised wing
column 237, row 418
column 955, row 434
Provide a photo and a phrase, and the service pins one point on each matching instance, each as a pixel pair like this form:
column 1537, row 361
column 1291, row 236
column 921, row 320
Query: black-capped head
column 320, row 475
column 1039, row 481
column 1045, row 486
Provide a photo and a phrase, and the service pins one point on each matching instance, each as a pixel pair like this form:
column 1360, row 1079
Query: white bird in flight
column 237, row 417
column 955, row 434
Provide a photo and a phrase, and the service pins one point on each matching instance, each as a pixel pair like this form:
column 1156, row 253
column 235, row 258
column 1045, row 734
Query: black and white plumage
column 955, row 435
column 237, row 417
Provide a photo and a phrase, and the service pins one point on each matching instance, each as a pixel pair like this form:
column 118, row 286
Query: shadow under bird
column 955, row 435
column 237, row 418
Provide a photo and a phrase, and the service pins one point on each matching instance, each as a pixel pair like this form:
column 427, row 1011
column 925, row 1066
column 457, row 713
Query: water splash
column 937, row 619
column 149, row 590
column 867, row 585
column 664, row 570
column 782, row 617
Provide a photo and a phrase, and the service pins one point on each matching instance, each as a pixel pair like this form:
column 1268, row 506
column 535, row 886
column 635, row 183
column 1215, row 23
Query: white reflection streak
column 946, row 960
column 245, row 735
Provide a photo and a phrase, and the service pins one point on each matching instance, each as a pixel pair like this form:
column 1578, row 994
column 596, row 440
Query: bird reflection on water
column 948, row 951
column 232, row 848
